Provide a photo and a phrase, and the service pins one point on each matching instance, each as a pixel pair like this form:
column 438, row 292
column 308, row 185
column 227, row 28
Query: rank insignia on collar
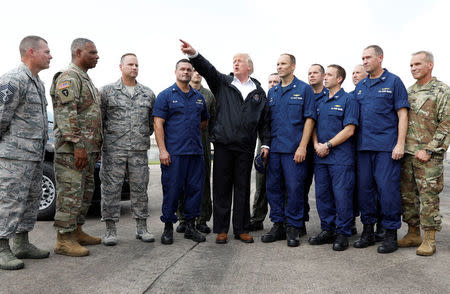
column 6, row 92
column 256, row 97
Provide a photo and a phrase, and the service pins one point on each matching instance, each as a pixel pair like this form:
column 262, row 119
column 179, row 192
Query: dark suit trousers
column 231, row 176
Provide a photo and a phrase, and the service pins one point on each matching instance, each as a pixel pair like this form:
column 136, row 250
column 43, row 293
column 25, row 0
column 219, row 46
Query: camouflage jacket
column 428, row 118
column 76, row 107
column 211, row 107
column 23, row 115
column 127, row 121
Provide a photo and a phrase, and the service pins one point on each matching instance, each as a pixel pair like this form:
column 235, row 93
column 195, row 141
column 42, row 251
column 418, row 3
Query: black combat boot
column 302, row 231
column 341, row 243
column 379, row 233
column 367, row 237
column 203, row 227
column 353, row 227
column 278, row 232
column 167, row 235
column 324, row 237
column 256, row 226
column 389, row 244
column 181, row 228
column 292, row 236
column 192, row 233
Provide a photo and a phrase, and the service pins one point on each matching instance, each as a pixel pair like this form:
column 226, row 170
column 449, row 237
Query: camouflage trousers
column 420, row 185
column 74, row 190
column 20, row 193
column 115, row 166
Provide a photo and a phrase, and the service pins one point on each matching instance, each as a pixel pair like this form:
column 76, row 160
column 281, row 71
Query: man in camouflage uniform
column 206, row 208
column 78, row 139
column 127, row 125
column 23, row 134
column 427, row 141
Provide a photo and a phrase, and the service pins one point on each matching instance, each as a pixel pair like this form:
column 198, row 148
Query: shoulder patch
column 6, row 93
column 63, row 85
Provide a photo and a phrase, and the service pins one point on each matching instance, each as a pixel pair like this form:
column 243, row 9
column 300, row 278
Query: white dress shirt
column 245, row 88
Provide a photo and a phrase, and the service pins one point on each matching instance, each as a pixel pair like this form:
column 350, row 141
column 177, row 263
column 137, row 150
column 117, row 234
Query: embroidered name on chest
column 296, row 97
column 337, row 107
column 385, row 90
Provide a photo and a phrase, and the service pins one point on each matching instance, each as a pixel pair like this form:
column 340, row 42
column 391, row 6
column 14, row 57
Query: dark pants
column 308, row 180
column 206, row 207
column 184, row 176
column 334, row 194
column 260, row 204
column 284, row 176
column 231, row 183
column 379, row 180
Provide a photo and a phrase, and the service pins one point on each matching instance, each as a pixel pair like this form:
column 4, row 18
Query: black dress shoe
column 192, row 233
column 256, row 226
column 203, row 227
column 278, row 232
column 292, row 236
column 302, row 231
column 324, row 237
column 181, row 228
column 341, row 243
column 367, row 237
column 389, row 244
column 167, row 235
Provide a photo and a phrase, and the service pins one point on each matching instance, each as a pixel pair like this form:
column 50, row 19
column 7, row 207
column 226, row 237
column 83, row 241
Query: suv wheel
column 47, row 204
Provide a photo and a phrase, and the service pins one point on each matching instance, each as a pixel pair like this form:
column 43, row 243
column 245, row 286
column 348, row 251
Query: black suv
column 47, row 204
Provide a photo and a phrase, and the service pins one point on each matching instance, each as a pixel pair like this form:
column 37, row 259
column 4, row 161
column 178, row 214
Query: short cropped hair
column 78, row 44
column 378, row 50
column 125, row 55
column 291, row 57
column 322, row 70
column 30, row 42
column 428, row 55
column 184, row 60
column 340, row 71
column 273, row 74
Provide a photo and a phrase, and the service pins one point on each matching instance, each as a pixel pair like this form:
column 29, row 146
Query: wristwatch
column 428, row 152
column 329, row 145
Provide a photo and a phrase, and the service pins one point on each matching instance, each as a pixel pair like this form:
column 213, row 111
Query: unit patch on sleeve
column 6, row 93
column 63, row 85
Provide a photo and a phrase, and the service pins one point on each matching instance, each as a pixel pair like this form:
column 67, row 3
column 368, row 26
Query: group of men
column 353, row 143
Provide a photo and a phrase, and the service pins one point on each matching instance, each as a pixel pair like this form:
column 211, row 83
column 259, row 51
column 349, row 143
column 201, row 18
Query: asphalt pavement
column 187, row 267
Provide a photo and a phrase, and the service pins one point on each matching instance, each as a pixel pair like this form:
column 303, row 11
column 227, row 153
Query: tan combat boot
column 66, row 245
column 85, row 239
column 428, row 246
column 412, row 238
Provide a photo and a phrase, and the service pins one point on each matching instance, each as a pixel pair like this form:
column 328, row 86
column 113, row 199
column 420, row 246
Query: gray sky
column 322, row 32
